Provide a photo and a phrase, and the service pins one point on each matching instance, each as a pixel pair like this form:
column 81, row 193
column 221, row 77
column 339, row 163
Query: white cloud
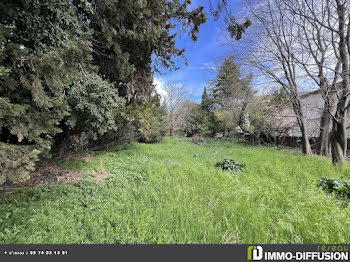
column 209, row 66
column 159, row 83
column 178, row 85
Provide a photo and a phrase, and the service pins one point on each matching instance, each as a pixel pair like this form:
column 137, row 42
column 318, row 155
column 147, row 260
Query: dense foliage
column 231, row 108
column 231, row 92
column 200, row 119
column 127, row 33
column 68, row 68
column 42, row 45
column 149, row 120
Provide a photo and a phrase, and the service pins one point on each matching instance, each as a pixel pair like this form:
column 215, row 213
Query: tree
column 128, row 33
column 205, row 102
column 41, row 43
column 231, row 93
column 234, row 27
column 176, row 96
column 275, row 56
column 199, row 118
column 317, row 57
column 209, row 124
column 332, row 18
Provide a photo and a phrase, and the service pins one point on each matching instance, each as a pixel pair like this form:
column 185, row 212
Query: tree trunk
column 324, row 148
column 225, row 131
column 338, row 155
column 338, row 142
column 298, row 110
column 306, row 148
column 339, row 138
column 171, row 130
column 242, row 120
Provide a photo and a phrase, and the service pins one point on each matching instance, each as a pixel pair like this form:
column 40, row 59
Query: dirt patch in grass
column 87, row 158
column 53, row 174
column 50, row 174
column 99, row 175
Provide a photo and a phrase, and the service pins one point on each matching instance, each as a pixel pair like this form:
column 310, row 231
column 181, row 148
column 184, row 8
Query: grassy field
column 172, row 192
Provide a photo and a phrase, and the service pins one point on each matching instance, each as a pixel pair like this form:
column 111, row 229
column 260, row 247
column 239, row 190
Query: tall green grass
column 171, row 192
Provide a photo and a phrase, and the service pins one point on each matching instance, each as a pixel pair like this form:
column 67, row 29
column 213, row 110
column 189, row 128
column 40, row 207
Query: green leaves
column 69, row 67
column 128, row 35
column 42, row 47
column 149, row 120
column 339, row 187
column 230, row 165
column 94, row 105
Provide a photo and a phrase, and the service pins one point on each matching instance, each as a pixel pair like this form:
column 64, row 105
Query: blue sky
column 203, row 56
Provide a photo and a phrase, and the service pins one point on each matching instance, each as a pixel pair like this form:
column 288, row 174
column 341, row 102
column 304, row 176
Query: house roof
column 309, row 93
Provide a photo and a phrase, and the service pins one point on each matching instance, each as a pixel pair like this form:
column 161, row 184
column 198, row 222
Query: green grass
column 171, row 192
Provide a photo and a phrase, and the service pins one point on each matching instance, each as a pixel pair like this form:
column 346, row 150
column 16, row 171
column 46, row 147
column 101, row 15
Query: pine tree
column 205, row 103
column 228, row 83
column 231, row 93
column 207, row 119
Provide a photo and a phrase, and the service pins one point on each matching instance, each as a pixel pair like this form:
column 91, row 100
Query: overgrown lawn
column 172, row 192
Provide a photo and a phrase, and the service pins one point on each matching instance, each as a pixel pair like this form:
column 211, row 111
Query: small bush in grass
column 230, row 165
column 339, row 187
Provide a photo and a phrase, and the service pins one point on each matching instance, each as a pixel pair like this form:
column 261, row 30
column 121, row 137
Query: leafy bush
column 94, row 110
column 94, row 105
column 230, row 165
column 149, row 120
column 339, row 187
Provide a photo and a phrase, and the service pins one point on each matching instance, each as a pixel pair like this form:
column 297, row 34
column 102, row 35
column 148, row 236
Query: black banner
column 254, row 252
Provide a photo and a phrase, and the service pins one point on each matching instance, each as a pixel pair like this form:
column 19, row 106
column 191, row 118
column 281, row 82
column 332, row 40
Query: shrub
column 94, row 105
column 230, row 165
column 94, row 110
column 339, row 187
column 16, row 162
column 149, row 120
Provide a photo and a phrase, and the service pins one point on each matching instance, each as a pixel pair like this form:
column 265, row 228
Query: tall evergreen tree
column 228, row 83
column 231, row 93
column 38, row 49
column 205, row 103
column 128, row 33
column 207, row 120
